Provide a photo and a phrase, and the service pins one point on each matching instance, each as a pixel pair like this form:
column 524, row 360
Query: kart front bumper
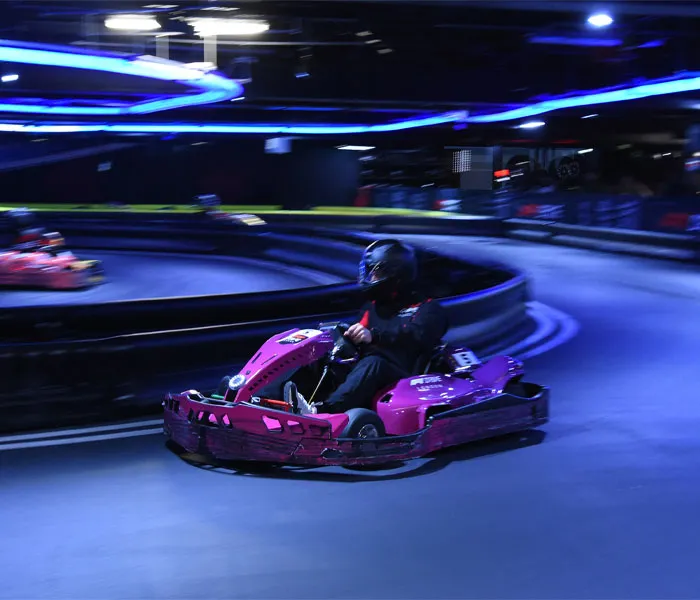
column 242, row 432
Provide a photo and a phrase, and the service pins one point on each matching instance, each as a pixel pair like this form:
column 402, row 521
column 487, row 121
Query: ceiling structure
column 373, row 61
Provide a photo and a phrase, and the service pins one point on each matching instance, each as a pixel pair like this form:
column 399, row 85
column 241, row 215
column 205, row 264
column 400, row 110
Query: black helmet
column 387, row 265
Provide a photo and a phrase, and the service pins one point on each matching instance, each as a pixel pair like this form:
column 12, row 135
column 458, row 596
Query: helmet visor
column 373, row 273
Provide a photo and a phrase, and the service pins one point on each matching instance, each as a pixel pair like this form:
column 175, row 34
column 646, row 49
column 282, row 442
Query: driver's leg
column 369, row 376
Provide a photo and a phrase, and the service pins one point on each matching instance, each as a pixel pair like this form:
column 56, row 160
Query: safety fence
column 75, row 364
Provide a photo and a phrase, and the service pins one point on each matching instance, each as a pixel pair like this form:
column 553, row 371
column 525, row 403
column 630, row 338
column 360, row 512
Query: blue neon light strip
column 213, row 87
column 253, row 128
column 657, row 88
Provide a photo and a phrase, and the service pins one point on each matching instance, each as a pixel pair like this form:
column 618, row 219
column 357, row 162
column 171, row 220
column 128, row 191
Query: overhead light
column 600, row 20
column 356, row 148
column 374, row 41
column 585, row 151
column 531, row 125
column 384, row 51
column 215, row 27
column 238, row 99
column 132, row 23
column 221, row 8
column 591, row 116
column 9, row 77
column 161, row 6
column 364, row 33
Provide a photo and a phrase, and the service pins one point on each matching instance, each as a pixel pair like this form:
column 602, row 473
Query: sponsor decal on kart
column 426, row 380
column 300, row 336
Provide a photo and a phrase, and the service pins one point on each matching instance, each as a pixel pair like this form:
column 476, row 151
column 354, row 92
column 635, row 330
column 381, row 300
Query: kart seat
column 429, row 361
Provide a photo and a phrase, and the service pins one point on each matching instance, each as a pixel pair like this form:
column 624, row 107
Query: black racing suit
column 403, row 331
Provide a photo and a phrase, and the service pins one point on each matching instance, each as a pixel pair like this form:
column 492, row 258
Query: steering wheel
column 344, row 351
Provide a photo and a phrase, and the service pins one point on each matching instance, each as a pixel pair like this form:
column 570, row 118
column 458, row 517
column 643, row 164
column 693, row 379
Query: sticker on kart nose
column 300, row 336
column 426, row 380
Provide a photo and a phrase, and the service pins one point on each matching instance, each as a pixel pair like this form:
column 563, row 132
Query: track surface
column 605, row 505
column 141, row 275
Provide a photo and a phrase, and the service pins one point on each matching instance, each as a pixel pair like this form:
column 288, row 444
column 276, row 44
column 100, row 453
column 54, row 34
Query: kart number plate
column 465, row 358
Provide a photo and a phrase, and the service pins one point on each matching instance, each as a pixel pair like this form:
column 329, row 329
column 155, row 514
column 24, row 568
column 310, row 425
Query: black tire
column 363, row 424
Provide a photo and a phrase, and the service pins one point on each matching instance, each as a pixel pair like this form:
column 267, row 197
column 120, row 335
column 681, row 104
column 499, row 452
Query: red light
column 503, row 173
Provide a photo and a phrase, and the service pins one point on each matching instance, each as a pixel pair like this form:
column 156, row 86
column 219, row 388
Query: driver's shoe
column 298, row 403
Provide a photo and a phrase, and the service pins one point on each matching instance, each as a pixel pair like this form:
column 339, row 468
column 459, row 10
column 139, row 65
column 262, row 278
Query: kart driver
column 397, row 327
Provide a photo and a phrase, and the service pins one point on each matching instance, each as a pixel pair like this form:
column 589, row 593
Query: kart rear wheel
column 363, row 424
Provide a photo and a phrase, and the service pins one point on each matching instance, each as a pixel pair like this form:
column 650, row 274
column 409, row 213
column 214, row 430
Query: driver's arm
column 425, row 329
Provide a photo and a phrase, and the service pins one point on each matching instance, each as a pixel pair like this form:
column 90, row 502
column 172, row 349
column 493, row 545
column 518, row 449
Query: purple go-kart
column 453, row 399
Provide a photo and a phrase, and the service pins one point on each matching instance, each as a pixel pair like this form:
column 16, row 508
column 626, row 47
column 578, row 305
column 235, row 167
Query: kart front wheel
column 363, row 424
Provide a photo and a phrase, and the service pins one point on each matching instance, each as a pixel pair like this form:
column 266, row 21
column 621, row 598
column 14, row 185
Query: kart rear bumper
column 242, row 432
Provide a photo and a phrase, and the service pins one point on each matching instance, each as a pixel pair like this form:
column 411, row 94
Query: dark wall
column 315, row 176
column 174, row 171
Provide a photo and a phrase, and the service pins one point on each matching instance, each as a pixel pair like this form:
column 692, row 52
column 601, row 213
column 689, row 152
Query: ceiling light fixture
column 600, row 20
column 132, row 23
column 216, row 27
column 591, row 116
column 356, row 148
column 9, row 77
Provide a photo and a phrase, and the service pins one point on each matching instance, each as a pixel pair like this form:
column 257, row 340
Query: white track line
column 548, row 319
column 80, row 440
column 546, row 325
column 82, row 431
column 569, row 328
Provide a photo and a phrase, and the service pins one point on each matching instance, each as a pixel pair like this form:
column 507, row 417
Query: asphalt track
column 603, row 504
column 142, row 275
